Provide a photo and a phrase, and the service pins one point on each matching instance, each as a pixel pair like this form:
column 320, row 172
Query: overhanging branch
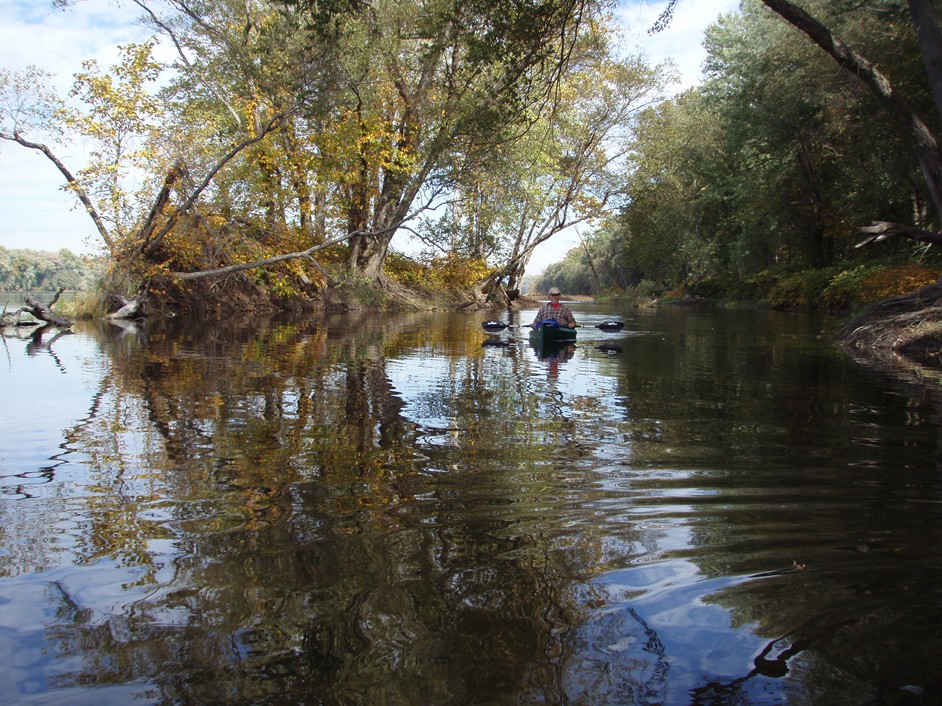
column 70, row 180
column 884, row 230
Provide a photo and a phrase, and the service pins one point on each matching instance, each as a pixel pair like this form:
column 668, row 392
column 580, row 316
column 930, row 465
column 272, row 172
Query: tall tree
column 773, row 160
column 427, row 85
column 568, row 168
column 918, row 134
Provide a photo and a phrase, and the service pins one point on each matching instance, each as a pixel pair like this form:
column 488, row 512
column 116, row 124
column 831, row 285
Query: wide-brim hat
column 554, row 290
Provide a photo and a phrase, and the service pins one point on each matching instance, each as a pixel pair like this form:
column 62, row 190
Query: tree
column 428, row 87
column 912, row 126
column 773, row 161
column 670, row 227
column 281, row 123
column 173, row 167
column 568, row 168
column 806, row 143
column 119, row 118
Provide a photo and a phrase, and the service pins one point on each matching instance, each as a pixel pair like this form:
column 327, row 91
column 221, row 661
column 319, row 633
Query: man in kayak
column 553, row 309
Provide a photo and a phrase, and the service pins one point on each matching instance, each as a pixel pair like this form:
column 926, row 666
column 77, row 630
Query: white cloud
column 682, row 40
column 32, row 32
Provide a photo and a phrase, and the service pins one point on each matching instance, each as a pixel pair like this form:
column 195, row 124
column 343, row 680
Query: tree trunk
column 45, row 313
column 588, row 257
column 73, row 184
column 884, row 230
column 368, row 253
column 130, row 308
column 815, row 232
column 930, row 44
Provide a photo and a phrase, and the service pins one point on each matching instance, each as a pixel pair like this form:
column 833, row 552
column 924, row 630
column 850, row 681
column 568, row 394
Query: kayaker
column 554, row 309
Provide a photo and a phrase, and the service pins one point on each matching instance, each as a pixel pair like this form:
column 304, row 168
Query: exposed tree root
column 899, row 329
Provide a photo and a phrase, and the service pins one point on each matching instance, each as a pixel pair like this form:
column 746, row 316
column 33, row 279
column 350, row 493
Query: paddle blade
column 610, row 326
column 494, row 325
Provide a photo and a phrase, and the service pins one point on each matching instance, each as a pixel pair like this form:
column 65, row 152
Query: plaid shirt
column 560, row 312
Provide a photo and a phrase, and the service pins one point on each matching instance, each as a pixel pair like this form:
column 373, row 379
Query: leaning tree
column 913, row 128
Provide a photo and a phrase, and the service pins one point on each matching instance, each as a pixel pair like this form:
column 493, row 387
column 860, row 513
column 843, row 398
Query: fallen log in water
column 40, row 311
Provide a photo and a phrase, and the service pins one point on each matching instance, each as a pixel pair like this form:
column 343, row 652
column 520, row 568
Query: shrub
column 844, row 290
column 891, row 281
column 801, row 290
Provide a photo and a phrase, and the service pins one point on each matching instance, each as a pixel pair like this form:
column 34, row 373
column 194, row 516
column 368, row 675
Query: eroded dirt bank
column 905, row 330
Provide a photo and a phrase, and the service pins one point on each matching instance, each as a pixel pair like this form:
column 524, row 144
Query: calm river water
column 721, row 508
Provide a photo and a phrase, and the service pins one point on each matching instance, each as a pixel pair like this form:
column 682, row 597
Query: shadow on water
column 701, row 508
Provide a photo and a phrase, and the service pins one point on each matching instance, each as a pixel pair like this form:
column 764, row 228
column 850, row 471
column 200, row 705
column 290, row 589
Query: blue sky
column 35, row 213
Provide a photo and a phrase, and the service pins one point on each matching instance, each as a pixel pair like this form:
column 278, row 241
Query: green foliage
column 448, row 273
column 119, row 117
column 24, row 270
column 844, row 290
column 732, row 288
column 524, row 119
column 455, row 273
column 803, row 290
column 358, row 291
column 776, row 160
column 406, row 271
column 835, row 289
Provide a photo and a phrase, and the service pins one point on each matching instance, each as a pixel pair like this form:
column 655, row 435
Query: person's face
column 554, row 298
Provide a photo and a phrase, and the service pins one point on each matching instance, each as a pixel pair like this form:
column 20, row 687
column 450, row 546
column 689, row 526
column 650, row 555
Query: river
column 707, row 507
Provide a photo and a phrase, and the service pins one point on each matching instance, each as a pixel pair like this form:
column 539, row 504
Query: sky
column 35, row 213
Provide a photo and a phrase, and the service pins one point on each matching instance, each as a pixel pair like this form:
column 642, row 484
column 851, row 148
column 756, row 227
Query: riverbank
column 905, row 328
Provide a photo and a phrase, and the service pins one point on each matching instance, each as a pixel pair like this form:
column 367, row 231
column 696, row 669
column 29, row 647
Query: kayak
column 549, row 332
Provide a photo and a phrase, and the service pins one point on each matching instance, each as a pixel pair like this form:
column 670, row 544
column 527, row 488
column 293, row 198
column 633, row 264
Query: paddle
column 610, row 326
column 495, row 326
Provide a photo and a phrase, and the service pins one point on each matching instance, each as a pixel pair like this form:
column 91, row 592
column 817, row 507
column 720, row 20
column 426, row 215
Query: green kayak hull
column 552, row 335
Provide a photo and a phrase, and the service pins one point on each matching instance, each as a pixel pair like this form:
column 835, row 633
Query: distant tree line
column 34, row 270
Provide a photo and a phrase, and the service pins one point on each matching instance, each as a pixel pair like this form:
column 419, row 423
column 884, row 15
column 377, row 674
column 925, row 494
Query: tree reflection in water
column 382, row 510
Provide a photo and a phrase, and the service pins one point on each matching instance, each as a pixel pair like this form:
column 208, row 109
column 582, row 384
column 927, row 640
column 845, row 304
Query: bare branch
column 166, row 29
column 73, row 183
column 884, row 230
column 162, row 198
column 186, row 276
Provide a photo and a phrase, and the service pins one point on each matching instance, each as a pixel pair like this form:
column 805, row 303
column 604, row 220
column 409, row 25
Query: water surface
column 709, row 507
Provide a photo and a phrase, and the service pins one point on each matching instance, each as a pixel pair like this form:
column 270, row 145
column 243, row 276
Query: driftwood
column 884, row 230
column 130, row 308
column 37, row 344
column 43, row 312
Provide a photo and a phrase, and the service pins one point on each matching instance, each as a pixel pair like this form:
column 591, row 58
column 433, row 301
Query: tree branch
column 148, row 246
column 884, row 230
column 164, row 27
column 187, row 276
column 70, row 179
column 925, row 146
